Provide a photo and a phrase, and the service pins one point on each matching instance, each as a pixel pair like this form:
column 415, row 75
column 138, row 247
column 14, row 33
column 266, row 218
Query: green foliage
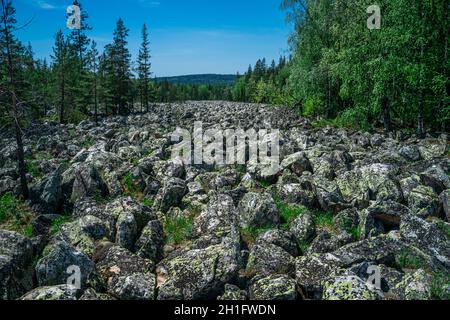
column 323, row 219
column 440, row 283
column 288, row 213
column 147, row 202
column 178, row 229
column 444, row 227
column 88, row 142
column 250, row 234
column 15, row 215
column 33, row 170
column 355, row 231
column 408, row 259
column 58, row 223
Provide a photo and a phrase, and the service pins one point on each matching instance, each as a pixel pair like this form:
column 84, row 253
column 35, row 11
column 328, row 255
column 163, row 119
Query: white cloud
column 45, row 5
column 150, row 3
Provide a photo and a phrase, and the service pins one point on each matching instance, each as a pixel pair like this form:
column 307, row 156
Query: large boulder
column 87, row 183
column 312, row 270
column 275, row 287
column 303, row 228
column 348, row 287
column 282, row 239
column 53, row 293
column 267, row 259
column 47, row 194
column 297, row 163
column 171, row 194
column 428, row 236
column 233, row 293
column 54, row 268
column 218, row 217
column 138, row 286
column 117, row 265
column 258, row 210
column 199, row 273
column 150, row 243
column 16, row 257
column 371, row 182
column 381, row 217
column 83, row 232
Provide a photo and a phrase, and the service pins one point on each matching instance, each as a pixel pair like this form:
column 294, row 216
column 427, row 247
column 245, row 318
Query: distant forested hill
column 209, row 79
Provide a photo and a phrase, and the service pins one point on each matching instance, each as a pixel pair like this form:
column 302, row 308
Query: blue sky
column 187, row 36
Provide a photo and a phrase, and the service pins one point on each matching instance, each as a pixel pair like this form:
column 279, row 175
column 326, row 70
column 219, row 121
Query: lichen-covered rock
column 52, row 293
column 83, row 232
column 381, row 217
column 218, row 217
column 423, row 201
column 297, row 193
column 371, row 182
column 312, row 270
column 233, row 293
column 444, row 199
column 258, row 210
column 303, row 228
column 282, row 239
column 267, row 258
column 92, row 295
column 199, row 273
column 275, row 287
column 297, row 163
column 328, row 194
column 54, row 268
column 171, row 194
column 114, row 262
column 138, row 286
column 347, row 288
column 327, row 242
column 87, row 183
column 16, row 257
column 47, row 194
column 150, row 243
column 126, row 230
column 428, row 236
column 417, row 286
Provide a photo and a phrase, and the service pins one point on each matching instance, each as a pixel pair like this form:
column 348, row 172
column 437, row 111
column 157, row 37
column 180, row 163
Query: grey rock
column 275, row 287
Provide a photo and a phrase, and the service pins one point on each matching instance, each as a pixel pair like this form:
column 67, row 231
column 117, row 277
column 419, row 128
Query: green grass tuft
column 178, row 229
column 440, row 284
column 58, row 223
column 408, row 259
column 288, row 213
column 323, row 219
column 15, row 215
column 147, row 202
column 249, row 235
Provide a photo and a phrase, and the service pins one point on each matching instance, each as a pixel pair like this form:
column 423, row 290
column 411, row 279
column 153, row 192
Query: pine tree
column 78, row 38
column 61, row 57
column 12, row 61
column 144, row 66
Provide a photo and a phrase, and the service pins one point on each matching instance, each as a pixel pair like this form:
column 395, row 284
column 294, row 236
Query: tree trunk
column 421, row 118
column 386, row 114
column 63, row 93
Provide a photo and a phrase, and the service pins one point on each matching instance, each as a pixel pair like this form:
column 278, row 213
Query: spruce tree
column 144, row 66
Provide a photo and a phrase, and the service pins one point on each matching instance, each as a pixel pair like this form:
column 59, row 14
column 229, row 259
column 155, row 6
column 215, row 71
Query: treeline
column 393, row 77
